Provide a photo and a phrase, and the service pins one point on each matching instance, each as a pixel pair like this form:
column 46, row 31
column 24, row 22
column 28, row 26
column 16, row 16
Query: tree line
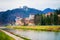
column 52, row 19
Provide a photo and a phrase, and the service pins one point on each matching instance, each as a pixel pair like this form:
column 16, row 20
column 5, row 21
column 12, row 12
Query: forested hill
column 10, row 15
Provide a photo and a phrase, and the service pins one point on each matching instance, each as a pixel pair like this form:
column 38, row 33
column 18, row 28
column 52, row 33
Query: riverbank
column 4, row 36
column 20, row 37
column 37, row 28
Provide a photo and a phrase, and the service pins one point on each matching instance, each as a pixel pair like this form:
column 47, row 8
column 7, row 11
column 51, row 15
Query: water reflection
column 39, row 35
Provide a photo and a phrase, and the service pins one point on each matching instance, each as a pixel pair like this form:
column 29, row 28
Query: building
column 48, row 14
column 19, row 21
column 31, row 16
column 31, row 20
column 25, row 21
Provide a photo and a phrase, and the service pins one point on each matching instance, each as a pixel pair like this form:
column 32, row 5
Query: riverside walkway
column 11, row 35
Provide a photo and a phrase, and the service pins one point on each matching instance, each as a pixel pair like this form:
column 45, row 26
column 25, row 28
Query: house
column 31, row 20
column 26, row 21
column 48, row 14
column 19, row 21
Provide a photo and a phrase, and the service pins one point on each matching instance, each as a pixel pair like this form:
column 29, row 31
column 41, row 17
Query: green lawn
column 4, row 36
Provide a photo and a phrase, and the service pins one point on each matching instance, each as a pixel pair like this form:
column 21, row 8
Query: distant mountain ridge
column 48, row 10
column 25, row 11
column 10, row 15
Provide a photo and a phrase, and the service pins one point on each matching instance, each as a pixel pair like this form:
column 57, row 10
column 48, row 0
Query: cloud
column 38, row 4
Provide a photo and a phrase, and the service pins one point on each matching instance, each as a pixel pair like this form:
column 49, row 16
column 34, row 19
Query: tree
column 37, row 19
column 48, row 20
column 56, row 17
column 42, row 19
column 57, row 11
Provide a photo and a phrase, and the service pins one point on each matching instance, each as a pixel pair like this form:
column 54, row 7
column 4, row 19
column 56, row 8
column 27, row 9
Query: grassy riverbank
column 42, row 28
column 4, row 36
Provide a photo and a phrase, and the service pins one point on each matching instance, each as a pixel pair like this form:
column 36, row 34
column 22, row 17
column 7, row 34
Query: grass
column 38, row 28
column 4, row 36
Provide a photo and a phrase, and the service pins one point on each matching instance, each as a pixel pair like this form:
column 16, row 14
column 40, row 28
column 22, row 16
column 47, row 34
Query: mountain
column 48, row 10
column 9, row 16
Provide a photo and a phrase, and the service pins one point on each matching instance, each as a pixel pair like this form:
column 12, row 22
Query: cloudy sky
column 37, row 4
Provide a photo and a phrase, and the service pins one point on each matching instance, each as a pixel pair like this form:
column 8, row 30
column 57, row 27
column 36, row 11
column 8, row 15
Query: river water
column 37, row 35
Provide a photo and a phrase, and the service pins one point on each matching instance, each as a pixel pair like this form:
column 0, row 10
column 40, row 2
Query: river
column 37, row 35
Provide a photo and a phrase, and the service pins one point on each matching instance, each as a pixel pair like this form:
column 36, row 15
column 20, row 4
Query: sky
column 37, row 4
